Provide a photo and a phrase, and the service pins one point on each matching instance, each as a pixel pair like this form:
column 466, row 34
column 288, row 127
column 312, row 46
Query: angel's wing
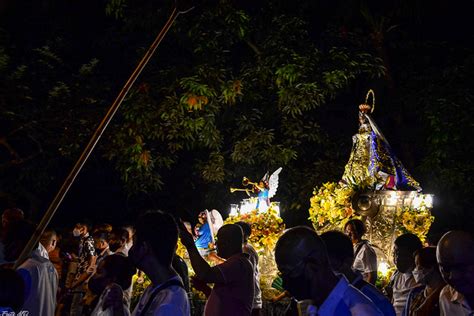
column 273, row 183
column 265, row 177
column 214, row 218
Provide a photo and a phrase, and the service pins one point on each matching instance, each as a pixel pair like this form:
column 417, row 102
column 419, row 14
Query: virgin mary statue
column 372, row 161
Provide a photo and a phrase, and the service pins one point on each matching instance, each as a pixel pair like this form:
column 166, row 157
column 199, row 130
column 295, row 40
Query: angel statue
column 265, row 189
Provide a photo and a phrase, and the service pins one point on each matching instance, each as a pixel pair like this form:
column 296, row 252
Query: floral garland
column 331, row 208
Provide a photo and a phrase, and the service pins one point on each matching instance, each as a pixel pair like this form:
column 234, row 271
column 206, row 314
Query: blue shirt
column 345, row 300
column 382, row 303
column 204, row 236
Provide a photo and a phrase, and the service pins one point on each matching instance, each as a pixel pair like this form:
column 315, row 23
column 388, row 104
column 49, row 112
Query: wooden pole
column 96, row 137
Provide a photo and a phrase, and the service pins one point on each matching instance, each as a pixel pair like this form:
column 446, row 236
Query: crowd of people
column 88, row 271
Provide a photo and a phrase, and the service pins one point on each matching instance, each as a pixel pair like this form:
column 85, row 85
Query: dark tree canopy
column 236, row 89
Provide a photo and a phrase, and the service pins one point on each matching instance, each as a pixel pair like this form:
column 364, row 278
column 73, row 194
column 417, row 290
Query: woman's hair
column 358, row 225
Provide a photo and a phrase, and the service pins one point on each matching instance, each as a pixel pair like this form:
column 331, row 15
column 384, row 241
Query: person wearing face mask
column 303, row 262
column 402, row 281
column 118, row 241
column 424, row 300
column 131, row 232
column 87, row 259
column 101, row 243
column 113, row 275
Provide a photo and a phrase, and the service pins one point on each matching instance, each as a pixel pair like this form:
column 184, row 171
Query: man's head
column 246, row 229
column 80, row 230
column 17, row 238
column 302, row 260
column 49, row 240
column 404, row 247
column 426, row 266
column 340, row 250
column 355, row 229
column 113, row 269
column 455, row 255
column 101, row 240
column 12, row 215
column 156, row 237
column 118, row 238
column 229, row 240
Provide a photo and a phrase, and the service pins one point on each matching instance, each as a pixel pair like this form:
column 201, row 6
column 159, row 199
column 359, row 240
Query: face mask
column 76, row 232
column 421, row 276
column 129, row 245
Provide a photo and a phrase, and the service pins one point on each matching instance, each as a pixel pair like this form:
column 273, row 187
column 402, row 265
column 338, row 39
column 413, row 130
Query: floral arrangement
column 331, row 208
column 266, row 227
column 416, row 221
column 139, row 283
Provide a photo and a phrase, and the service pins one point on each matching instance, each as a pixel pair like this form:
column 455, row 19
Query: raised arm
column 200, row 266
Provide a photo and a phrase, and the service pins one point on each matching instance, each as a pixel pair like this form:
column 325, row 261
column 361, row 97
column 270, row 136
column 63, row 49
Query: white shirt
column 99, row 311
column 402, row 284
column 451, row 302
column 41, row 281
column 170, row 301
column 42, row 251
column 344, row 300
column 253, row 257
column 365, row 260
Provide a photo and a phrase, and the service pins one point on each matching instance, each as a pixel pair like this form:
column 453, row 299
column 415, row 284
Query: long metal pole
column 93, row 141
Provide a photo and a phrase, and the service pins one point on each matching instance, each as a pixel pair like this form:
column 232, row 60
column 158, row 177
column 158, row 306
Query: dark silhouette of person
column 455, row 255
column 303, row 262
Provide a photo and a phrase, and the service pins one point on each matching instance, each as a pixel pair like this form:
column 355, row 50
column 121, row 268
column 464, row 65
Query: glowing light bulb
column 392, row 199
column 384, row 268
column 429, row 200
column 234, row 209
column 417, row 200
